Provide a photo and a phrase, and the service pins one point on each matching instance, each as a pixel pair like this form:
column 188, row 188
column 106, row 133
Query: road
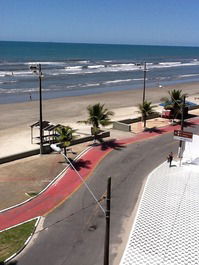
column 73, row 234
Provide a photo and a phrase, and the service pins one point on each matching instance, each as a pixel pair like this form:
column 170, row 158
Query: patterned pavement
column 166, row 229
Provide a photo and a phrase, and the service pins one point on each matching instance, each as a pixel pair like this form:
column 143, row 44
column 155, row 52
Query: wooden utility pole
column 107, row 232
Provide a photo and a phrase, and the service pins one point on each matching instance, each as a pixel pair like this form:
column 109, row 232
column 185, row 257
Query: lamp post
column 108, row 204
column 144, row 87
column 182, row 127
column 36, row 69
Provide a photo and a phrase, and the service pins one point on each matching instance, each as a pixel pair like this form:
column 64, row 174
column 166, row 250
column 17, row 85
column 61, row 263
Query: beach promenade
column 166, row 229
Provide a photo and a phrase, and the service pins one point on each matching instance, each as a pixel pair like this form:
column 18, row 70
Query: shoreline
column 16, row 118
column 50, row 95
column 60, row 108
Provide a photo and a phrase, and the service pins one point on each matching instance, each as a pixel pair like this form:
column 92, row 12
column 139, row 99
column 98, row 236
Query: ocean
column 78, row 69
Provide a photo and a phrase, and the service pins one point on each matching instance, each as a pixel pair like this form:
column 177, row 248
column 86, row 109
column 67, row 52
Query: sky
column 153, row 22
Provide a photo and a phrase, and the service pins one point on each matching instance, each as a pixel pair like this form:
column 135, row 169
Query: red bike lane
column 69, row 182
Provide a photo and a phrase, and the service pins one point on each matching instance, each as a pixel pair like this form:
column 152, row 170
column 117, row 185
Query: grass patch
column 32, row 193
column 13, row 239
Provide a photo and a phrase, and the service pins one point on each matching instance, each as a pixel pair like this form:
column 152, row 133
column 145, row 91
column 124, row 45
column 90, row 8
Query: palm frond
column 98, row 115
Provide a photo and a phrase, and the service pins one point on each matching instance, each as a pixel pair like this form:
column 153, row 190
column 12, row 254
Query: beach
column 16, row 118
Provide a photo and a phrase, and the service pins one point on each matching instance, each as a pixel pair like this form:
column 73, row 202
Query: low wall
column 47, row 148
column 120, row 125
column 19, row 156
column 125, row 125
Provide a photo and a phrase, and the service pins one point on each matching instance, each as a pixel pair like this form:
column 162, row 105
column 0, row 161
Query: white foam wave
column 45, row 63
column 188, row 75
column 173, row 64
column 169, row 63
column 22, row 90
column 7, row 82
column 138, row 79
column 22, row 73
column 71, row 68
column 5, row 74
column 118, row 81
column 15, row 73
column 13, row 91
column 89, row 84
column 119, row 67
column 96, row 66
column 84, row 62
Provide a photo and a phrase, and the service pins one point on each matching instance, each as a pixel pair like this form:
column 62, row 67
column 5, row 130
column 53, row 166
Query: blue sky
column 161, row 22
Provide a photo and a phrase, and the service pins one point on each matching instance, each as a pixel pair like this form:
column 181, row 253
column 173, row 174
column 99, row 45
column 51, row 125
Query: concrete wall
column 125, row 125
column 119, row 125
column 47, row 148
column 19, row 156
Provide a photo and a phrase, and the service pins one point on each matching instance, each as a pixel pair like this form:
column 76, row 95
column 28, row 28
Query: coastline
column 16, row 118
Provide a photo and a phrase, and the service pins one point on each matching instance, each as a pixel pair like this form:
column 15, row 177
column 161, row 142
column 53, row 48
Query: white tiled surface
column 166, row 230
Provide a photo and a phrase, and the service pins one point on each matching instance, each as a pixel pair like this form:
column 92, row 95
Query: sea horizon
column 97, row 43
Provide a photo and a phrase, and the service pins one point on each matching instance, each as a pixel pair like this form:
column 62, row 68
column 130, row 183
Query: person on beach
column 30, row 96
column 170, row 158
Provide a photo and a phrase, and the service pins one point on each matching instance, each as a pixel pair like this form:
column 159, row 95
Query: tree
column 145, row 109
column 98, row 115
column 174, row 102
column 65, row 136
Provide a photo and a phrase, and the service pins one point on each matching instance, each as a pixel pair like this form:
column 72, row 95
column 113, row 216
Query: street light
column 182, row 127
column 144, row 87
column 36, row 69
column 108, row 204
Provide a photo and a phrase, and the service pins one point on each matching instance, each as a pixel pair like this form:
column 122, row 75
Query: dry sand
column 16, row 118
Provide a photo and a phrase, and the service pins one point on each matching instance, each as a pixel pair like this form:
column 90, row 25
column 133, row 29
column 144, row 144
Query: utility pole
column 182, row 126
column 40, row 111
column 107, row 232
column 144, row 87
column 36, row 69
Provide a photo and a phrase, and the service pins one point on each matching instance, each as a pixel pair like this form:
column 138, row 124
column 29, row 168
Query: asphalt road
column 74, row 232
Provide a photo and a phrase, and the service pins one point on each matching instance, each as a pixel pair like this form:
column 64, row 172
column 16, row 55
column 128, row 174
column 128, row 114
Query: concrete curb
column 56, row 178
column 28, row 239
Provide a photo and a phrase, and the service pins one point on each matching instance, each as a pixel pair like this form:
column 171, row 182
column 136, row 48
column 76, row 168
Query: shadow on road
column 111, row 144
column 189, row 124
column 154, row 129
column 80, row 164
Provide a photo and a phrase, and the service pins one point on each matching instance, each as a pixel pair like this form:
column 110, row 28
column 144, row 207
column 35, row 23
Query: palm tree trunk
column 144, row 122
column 65, row 153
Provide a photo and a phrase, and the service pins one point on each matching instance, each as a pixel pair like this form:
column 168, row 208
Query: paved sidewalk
column 166, row 229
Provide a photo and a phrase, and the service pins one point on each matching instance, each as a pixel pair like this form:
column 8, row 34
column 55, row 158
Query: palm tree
column 145, row 109
column 174, row 102
column 65, row 136
column 97, row 115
